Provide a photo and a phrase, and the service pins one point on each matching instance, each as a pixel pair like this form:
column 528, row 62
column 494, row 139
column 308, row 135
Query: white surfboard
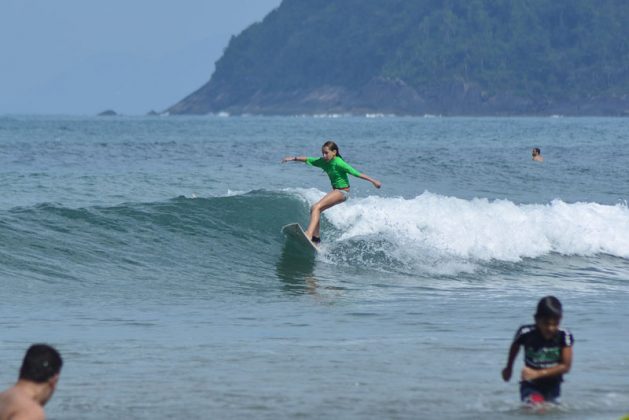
column 295, row 232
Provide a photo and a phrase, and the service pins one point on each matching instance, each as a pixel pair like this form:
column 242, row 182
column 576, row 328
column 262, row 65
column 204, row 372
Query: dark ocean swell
column 179, row 239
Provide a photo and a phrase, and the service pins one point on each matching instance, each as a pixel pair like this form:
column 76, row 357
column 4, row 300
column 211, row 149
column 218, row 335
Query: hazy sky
column 85, row 56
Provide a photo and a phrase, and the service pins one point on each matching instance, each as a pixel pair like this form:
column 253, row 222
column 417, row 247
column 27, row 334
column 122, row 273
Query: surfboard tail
column 295, row 232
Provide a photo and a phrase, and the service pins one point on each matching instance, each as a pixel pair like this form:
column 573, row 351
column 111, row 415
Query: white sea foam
column 379, row 115
column 480, row 229
column 232, row 193
column 328, row 115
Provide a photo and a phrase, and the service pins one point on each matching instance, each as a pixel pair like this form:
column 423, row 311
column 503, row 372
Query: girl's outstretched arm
column 375, row 182
column 294, row 159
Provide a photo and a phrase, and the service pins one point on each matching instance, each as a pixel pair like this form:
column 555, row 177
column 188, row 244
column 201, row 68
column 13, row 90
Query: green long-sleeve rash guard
column 337, row 169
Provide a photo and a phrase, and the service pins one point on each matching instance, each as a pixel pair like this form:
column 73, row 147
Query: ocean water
column 148, row 251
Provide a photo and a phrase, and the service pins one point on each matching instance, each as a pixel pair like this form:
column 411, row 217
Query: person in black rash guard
column 547, row 354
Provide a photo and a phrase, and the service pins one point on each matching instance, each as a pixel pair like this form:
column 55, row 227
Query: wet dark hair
column 549, row 307
column 536, row 150
column 332, row 146
column 41, row 362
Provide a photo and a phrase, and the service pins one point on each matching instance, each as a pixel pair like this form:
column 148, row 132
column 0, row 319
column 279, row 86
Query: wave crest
column 484, row 230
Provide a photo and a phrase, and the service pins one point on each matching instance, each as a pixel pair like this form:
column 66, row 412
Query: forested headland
column 448, row 57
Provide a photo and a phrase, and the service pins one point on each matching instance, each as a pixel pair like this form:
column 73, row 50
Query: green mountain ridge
column 450, row 57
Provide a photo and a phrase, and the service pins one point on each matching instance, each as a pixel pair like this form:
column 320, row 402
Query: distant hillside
column 456, row 57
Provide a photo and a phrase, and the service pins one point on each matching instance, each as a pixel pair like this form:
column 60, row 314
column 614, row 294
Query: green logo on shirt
column 544, row 355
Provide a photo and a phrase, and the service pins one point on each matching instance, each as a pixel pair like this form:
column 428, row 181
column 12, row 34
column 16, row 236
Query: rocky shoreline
column 386, row 96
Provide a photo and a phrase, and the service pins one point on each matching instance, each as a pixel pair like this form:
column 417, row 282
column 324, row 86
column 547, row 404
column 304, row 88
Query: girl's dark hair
column 332, row 146
column 549, row 307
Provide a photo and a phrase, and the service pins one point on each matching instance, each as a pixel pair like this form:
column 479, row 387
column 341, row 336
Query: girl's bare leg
column 330, row 199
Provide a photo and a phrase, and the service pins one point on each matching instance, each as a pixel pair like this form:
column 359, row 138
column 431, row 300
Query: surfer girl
column 337, row 169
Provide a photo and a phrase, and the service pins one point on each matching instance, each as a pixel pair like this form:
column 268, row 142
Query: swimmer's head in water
column 330, row 150
column 536, row 151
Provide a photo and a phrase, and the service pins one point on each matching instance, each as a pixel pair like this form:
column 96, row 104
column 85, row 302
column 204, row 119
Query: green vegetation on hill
column 547, row 50
column 556, row 48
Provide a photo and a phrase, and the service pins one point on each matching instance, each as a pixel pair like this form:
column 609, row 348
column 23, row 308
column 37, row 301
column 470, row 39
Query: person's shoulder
column 19, row 407
column 314, row 161
column 29, row 411
column 566, row 337
column 525, row 330
column 9, row 400
column 338, row 161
